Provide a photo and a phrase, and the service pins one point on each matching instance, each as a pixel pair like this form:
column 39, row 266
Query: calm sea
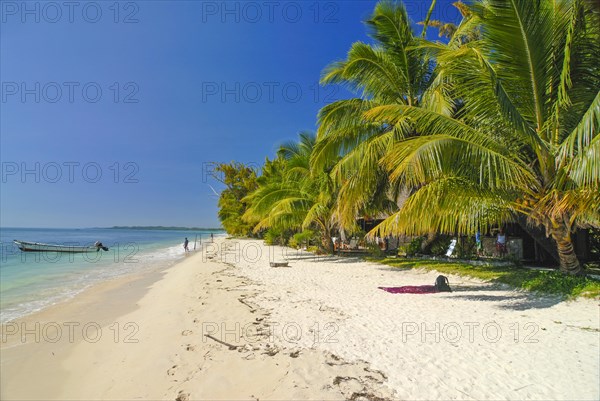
column 31, row 281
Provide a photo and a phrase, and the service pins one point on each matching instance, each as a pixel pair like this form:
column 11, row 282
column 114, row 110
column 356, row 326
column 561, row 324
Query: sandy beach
column 223, row 324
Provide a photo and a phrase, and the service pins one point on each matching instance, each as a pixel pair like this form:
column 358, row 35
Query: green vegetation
column 548, row 282
column 482, row 130
column 292, row 197
column 276, row 236
column 240, row 180
column 413, row 247
column 499, row 124
column 302, row 239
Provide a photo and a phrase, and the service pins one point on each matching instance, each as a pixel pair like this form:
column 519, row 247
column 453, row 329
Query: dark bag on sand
column 442, row 284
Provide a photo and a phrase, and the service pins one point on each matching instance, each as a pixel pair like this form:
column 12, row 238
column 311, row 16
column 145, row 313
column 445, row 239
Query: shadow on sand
column 510, row 299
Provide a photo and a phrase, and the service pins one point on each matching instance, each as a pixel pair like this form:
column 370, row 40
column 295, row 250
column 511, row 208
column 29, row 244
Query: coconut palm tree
column 387, row 72
column 291, row 196
column 526, row 142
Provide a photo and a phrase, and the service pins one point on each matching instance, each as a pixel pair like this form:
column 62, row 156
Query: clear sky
column 111, row 112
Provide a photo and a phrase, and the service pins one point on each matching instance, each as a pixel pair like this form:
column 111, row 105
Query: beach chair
column 451, row 247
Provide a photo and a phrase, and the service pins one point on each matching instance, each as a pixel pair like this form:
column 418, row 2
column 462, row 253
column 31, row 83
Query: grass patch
column 546, row 282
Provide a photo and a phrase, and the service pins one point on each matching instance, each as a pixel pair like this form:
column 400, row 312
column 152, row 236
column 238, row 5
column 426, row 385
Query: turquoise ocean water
column 31, row 281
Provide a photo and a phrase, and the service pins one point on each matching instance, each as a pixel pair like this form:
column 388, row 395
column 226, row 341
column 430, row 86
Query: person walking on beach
column 211, row 237
column 185, row 245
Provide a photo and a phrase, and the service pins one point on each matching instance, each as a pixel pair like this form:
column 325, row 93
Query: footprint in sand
column 190, row 347
column 171, row 372
column 182, row 396
column 186, row 332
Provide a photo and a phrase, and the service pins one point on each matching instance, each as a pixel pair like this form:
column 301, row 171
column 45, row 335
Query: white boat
column 39, row 247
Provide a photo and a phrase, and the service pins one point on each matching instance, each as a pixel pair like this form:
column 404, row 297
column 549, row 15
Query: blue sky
column 111, row 112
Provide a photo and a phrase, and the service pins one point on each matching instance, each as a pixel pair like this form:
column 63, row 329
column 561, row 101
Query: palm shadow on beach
column 510, row 299
column 519, row 301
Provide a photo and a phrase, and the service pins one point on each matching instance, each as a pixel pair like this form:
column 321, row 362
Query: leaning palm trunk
column 326, row 242
column 566, row 253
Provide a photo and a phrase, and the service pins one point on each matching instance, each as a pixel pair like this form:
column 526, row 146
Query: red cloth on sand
column 411, row 289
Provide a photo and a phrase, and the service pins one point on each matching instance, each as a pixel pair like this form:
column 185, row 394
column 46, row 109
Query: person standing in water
column 185, row 245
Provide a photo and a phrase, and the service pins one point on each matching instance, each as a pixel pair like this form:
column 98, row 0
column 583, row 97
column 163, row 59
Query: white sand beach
column 318, row 329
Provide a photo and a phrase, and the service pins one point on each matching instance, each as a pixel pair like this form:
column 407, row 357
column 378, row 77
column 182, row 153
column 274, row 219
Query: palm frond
column 448, row 205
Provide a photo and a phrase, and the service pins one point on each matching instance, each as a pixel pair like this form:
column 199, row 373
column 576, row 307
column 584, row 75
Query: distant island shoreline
column 164, row 228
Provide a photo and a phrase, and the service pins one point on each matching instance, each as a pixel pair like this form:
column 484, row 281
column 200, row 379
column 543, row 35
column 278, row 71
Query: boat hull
column 39, row 247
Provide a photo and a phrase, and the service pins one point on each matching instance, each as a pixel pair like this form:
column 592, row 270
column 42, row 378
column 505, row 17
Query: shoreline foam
column 78, row 278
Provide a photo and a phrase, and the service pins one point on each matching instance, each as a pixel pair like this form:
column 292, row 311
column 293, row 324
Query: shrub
column 314, row 249
column 466, row 248
column 304, row 237
column 375, row 250
column 412, row 248
column 274, row 236
column 440, row 245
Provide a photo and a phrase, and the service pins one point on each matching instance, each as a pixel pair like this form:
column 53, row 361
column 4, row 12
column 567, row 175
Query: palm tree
column 526, row 143
column 291, row 196
column 387, row 72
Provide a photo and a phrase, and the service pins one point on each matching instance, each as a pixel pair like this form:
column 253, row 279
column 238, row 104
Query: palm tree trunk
column 569, row 263
column 429, row 240
column 326, row 242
